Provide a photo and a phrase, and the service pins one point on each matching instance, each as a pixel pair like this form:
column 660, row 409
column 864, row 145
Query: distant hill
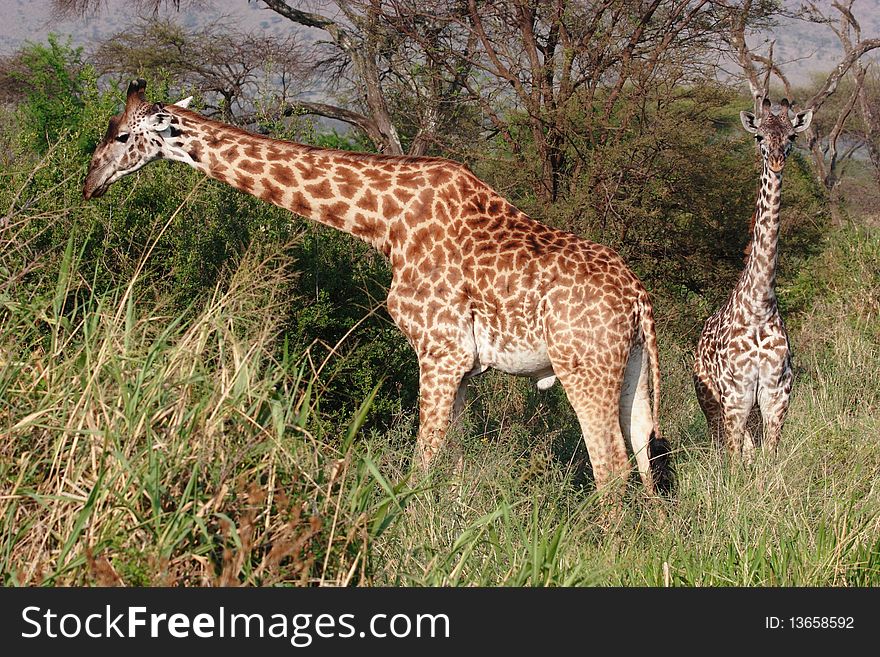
column 803, row 48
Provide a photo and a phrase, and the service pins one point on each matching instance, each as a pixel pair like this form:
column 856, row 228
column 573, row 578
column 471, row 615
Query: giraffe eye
column 122, row 138
column 759, row 138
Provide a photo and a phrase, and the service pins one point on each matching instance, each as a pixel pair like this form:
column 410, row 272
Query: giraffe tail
column 659, row 451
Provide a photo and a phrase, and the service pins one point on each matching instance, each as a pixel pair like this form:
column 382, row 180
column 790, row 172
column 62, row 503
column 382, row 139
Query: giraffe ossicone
column 476, row 283
column 743, row 357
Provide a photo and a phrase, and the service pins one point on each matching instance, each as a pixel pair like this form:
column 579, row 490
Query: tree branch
column 830, row 84
column 340, row 36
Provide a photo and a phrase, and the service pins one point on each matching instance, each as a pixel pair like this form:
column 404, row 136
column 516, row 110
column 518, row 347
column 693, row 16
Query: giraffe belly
column 513, row 354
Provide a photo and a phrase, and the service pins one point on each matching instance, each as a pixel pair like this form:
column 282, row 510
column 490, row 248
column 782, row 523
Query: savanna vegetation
column 197, row 388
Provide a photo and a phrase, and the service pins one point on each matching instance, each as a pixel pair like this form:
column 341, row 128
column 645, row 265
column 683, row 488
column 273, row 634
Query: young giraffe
column 743, row 355
column 476, row 283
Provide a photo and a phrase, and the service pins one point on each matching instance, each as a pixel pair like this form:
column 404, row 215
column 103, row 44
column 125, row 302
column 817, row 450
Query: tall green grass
column 190, row 392
column 146, row 445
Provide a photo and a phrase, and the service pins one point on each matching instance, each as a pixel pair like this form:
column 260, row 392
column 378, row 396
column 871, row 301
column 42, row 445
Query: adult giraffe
column 476, row 283
column 743, row 356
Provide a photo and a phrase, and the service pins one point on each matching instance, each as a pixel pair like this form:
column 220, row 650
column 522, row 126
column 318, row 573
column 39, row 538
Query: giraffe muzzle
column 776, row 164
column 93, row 186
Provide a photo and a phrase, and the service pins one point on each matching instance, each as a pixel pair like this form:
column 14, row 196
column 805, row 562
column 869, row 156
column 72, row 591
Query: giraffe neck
column 757, row 284
column 336, row 188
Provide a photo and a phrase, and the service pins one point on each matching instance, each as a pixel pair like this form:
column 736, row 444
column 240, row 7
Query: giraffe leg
column 735, row 431
column 748, row 445
column 774, row 407
column 594, row 393
column 636, row 420
column 441, row 390
column 710, row 404
column 458, row 405
column 604, row 440
column 460, row 399
column 716, row 430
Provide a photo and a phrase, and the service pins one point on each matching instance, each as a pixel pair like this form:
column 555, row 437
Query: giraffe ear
column 802, row 120
column 184, row 102
column 159, row 121
column 748, row 121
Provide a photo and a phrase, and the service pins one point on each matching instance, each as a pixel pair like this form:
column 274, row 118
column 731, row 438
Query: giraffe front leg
column 736, row 433
column 748, row 449
column 774, row 407
column 442, row 388
column 775, row 379
column 737, row 399
column 710, row 403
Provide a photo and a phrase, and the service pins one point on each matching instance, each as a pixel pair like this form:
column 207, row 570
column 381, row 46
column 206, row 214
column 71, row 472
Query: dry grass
column 142, row 448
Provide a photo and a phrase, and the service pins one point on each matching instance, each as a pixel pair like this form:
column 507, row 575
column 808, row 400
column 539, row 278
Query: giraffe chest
column 745, row 353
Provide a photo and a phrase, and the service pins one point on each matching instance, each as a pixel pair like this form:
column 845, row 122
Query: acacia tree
column 572, row 76
column 756, row 67
column 869, row 100
column 849, row 32
column 356, row 48
column 428, row 69
column 368, row 61
column 231, row 68
column 574, row 88
column 356, row 38
column 552, row 55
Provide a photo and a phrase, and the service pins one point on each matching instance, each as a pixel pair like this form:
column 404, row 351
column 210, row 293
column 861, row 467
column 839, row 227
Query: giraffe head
column 134, row 138
column 775, row 133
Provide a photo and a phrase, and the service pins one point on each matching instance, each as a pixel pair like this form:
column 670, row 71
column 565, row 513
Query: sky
column 26, row 20
column 800, row 48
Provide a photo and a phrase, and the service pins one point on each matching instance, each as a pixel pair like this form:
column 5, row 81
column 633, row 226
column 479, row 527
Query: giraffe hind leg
column 752, row 435
column 710, row 404
column 453, row 444
column 594, row 392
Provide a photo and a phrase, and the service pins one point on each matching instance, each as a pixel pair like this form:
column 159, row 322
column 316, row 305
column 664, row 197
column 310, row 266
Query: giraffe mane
column 237, row 131
column 747, row 251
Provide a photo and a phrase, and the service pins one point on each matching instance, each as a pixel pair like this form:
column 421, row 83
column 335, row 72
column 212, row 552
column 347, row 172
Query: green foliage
column 204, row 226
column 56, row 83
column 342, row 287
column 355, row 141
column 672, row 189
